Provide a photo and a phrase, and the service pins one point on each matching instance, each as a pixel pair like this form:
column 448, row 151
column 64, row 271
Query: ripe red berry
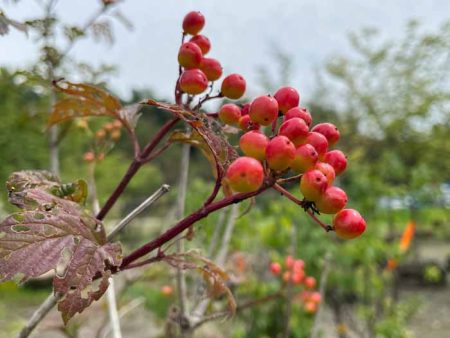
column 254, row 143
column 280, row 153
column 230, row 114
column 295, row 129
column 166, row 290
column 203, row 42
column 287, row 98
column 289, row 262
column 313, row 184
column 310, row 282
column 245, row 109
column 233, row 86
column 297, row 276
column 305, row 158
column 299, row 265
column 302, row 113
column 337, row 160
column 245, row 174
column 193, row 23
column 327, row 170
column 193, row 81
column 315, row 297
column 319, row 142
column 333, row 200
column 348, row 224
column 246, row 123
column 264, row 110
column 328, row 130
column 212, row 68
column 189, row 55
column 275, row 268
column 89, row 156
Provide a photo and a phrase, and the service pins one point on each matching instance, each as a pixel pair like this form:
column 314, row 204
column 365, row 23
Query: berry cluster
column 294, row 272
column 103, row 139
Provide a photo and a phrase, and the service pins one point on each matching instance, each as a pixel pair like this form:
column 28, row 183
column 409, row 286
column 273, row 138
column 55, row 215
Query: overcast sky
column 242, row 32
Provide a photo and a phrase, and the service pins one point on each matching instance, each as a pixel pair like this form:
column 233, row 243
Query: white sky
column 242, row 34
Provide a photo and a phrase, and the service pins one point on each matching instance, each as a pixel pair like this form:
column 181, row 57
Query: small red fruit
column 275, row 268
column 245, row 109
column 302, row 113
column 193, row 81
column 289, row 262
column 280, row 153
column 297, row 276
column 337, row 160
column 254, row 143
column 313, row 184
column 166, row 290
column 348, row 224
column 245, row 174
column 287, row 98
column 246, row 123
column 327, row 170
column 333, row 200
column 310, row 282
column 230, row 114
column 264, row 110
column 189, row 55
column 212, row 68
column 299, row 265
column 310, row 307
column 294, row 129
column 315, row 297
column 203, row 42
column 319, row 142
column 193, row 23
column 89, row 156
column 233, row 86
column 305, row 158
column 328, row 130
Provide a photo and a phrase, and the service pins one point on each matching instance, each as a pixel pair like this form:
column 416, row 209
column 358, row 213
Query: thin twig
column 221, row 256
column 132, row 215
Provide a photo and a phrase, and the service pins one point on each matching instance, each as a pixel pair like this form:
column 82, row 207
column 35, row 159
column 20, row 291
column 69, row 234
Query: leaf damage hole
column 20, row 228
column 63, row 263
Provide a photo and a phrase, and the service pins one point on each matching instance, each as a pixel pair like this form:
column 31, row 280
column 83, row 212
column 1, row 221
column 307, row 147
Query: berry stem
column 206, row 98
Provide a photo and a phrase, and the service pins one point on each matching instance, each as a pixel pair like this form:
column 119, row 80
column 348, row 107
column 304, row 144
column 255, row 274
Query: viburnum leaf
column 55, row 233
column 84, row 100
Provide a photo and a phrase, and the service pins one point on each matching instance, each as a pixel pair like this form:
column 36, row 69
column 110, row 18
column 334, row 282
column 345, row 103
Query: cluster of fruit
column 294, row 272
column 104, row 140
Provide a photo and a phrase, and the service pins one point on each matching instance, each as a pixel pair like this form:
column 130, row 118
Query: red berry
column 264, row 110
column 302, row 113
column 305, row 158
column 246, row 123
column 230, row 114
column 287, row 98
column 280, row 153
column 193, row 81
column 245, row 109
column 328, row 130
column 203, row 42
column 333, row 200
column 189, row 55
column 313, row 184
column 245, row 174
column 89, row 156
column 299, row 265
column 310, row 307
column 212, row 68
column 193, row 23
column 315, row 297
column 254, row 143
column 327, row 170
column 275, row 268
column 295, row 129
column 297, row 276
column 166, row 290
column 289, row 262
column 337, row 160
column 233, row 86
column 310, row 282
column 319, row 142
column 348, row 224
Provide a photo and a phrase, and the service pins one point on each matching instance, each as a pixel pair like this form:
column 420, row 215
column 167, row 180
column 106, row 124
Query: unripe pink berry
column 302, row 113
column 319, row 142
column 348, row 224
column 328, row 130
column 333, row 200
column 280, row 153
column 305, row 158
column 310, row 307
column 264, row 110
column 246, row 123
column 233, row 86
column 189, row 55
column 203, row 42
column 254, row 143
column 275, row 268
column 327, row 170
column 337, row 160
column 229, row 113
column 313, row 185
column 193, row 81
column 166, row 290
column 287, row 98
column 89, row 156
column 193, row 23
column 212, row 68
column 245, row 174
column 294, row 129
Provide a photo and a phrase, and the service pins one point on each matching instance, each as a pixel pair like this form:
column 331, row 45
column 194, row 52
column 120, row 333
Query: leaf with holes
column 84, row 100
column 58, row 234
